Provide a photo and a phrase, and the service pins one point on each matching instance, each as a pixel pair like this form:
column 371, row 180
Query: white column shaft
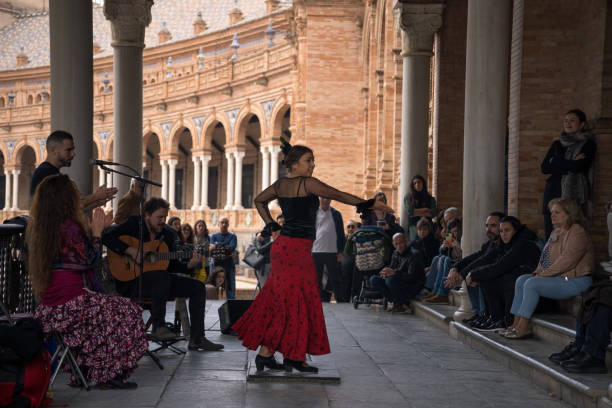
column 172, row 182
column 230, row 181
column 15, row 189
column 486, row 106
column 196, row 183
column 238, row 188
column 204, row 201
column 265, row 168
column 101, row 177
column 164, row 179
column 7, row 190
column 274, row 151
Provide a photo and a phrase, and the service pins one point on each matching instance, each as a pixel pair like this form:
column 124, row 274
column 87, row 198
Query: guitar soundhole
column 151, row 257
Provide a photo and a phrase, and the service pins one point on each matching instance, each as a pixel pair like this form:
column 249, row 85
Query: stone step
column 529, row 358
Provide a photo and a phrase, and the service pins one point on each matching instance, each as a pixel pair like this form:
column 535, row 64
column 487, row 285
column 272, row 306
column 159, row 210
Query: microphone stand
column 143, row 183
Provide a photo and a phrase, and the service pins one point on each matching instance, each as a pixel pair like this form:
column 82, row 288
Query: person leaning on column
column 60, row 152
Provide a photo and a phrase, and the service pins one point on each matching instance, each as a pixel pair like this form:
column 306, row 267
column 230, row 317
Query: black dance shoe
column 118, row 384
column 270, row 362
column 570, row 351
column 301, row 366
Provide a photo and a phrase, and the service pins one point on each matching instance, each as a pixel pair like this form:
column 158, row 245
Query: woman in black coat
column 569, row 162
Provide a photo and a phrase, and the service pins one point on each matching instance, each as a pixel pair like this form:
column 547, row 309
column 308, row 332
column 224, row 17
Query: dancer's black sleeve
column 261, row 203
column 317, row 187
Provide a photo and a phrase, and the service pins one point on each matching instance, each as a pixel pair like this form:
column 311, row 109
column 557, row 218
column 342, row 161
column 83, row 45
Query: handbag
column 253, row 258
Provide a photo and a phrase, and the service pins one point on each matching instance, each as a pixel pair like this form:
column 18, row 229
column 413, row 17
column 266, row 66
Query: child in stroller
column 371, row 248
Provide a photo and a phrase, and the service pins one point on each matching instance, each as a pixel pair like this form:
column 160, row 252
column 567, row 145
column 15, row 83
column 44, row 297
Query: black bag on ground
column 230, row 312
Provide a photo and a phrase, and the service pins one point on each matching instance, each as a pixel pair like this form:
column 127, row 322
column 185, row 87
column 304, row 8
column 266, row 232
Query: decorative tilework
column 199, row 121
column 267, row 107
column 232, row 114
column 31, row 31
column 104, row 135
column 166, row 126
column 10, row 145
column 42, row 143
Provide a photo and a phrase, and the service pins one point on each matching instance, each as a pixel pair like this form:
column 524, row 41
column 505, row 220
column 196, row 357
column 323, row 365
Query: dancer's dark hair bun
column 285, row 146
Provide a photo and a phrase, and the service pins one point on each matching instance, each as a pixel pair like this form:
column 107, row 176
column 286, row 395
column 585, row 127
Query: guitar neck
column 171, row 256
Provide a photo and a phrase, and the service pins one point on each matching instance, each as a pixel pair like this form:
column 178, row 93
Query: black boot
column 584, row 363
column 270, row 362
column 301, row 366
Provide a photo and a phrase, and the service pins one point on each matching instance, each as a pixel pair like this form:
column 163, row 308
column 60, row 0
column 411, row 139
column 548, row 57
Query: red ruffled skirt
column 287, row 315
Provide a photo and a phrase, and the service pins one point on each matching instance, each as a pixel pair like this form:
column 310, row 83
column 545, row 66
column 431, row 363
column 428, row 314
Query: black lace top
column 298, row 198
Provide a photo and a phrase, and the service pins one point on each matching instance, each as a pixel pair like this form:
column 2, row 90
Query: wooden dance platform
column 328, row 373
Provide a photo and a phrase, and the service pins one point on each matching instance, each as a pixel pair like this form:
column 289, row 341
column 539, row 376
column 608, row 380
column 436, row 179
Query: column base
column 203, row 208
column 237, row 207
column 196, row 207
column 465, row 308
column 228, row 207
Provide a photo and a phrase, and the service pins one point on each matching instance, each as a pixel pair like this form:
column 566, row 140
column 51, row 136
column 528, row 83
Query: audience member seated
column 384, row 220
column 462, row 268
column 517, row 254
column 160, row 285
column 426, row 242
column 564, row 270
column 187, row 234
column 228, row 242
column 404, row 278
column 450, row 254
column 347, row 265
column 105, row 333
column 418, row 203
column 215, row 285
column 175, row 223
column 587, row 354
column 202, row 242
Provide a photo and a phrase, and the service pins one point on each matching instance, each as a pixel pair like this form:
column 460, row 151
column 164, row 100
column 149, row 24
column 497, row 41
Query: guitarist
column 163, row 284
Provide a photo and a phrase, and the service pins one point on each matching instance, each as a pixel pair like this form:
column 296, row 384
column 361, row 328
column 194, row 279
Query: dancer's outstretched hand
column 379, row 205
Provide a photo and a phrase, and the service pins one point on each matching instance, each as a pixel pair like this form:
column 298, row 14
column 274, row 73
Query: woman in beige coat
column 564, row 269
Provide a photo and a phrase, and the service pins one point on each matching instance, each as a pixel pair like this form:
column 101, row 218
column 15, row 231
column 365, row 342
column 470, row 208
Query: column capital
column 195, row 159
column 206, row 157
column 418, row 23
column 276, row 149
column 239, row 155
column 172, row 162
column 229, row 155
column 128, row 18
column 15, row 172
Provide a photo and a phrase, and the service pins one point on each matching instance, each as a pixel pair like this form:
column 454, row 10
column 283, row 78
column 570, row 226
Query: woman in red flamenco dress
column 287, row 315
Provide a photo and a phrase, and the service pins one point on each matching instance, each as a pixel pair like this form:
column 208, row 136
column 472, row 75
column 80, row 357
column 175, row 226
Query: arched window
column 38, row 98
column 30, row 100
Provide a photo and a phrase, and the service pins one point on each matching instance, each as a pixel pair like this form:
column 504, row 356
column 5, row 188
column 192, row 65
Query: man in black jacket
column 462, row 268
column 162, row 284
column 404, row 278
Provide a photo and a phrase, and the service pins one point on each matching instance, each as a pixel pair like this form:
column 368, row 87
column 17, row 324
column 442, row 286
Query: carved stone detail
column 128, row 18
column 418, row 23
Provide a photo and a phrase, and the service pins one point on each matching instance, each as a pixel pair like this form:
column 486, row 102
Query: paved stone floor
column 384, row 361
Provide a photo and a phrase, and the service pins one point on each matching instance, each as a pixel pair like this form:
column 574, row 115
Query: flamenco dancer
column 287, row 315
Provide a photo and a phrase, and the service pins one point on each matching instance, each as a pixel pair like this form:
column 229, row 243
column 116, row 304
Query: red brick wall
column 451, row 104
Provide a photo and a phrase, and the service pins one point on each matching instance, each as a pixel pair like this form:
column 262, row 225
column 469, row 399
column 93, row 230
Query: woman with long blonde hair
column 105, row 333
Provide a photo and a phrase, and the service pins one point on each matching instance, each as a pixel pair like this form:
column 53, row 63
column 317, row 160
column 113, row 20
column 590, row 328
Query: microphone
column 100, row 162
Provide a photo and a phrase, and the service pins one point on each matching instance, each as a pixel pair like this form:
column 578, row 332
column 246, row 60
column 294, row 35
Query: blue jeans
column 433, row 273
column 528, row 289
column 477, row 300
column 594, row 337
column 446, row 263
column 230, row 276
column 395, row 289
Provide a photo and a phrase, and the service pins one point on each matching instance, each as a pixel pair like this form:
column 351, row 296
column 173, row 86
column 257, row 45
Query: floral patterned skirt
column 105, row 333
column 287, row 315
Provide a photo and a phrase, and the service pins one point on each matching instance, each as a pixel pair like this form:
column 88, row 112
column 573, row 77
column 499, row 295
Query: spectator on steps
column 517, row 254
column 459, row 272
column 384, row 220
column 569, row 162
column 418, row 203
column 426, row 242
column 564, row 270
column 403, row 279
column 450, row 254
column 587, row 354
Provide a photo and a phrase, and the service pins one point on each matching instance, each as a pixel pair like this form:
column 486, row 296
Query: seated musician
column 159, row 285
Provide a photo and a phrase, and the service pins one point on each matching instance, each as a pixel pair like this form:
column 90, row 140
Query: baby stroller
column 372, row 249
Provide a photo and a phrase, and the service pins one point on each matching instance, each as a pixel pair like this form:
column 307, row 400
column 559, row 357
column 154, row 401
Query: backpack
column 25, row 366
column 371, row 248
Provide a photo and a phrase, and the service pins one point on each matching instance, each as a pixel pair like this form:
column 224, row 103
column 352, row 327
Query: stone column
column 15, row 205
column 238, row 156
column 196, row 183
column 71, row 65
column 230, row 181
column 204, row 202
column 102, row 177
column 486, row 110
column 274, row 151
column 164, row 179
column 7, row 190
column 265, row 167
column 128, row 18
column 172, row 182
column 418, row 23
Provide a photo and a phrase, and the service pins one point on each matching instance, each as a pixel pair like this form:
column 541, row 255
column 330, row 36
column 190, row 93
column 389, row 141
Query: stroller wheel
column 355, row 302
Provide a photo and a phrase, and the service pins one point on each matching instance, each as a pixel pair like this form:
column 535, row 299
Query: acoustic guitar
column 156, row 258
